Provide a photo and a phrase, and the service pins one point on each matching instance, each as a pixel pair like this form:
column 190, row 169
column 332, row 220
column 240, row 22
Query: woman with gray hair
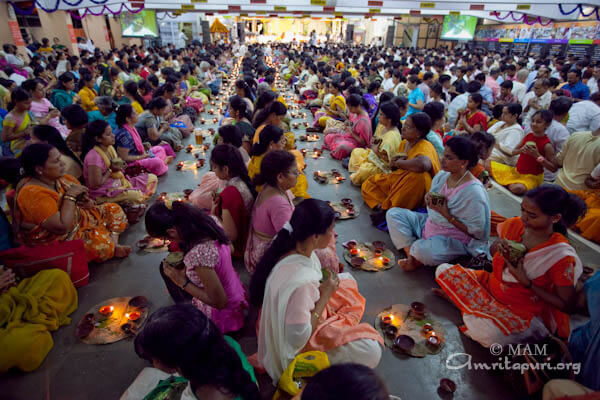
column 208, row 79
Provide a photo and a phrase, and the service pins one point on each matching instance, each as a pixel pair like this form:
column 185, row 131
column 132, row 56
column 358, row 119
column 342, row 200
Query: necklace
column 461, row 178
column 284, row 194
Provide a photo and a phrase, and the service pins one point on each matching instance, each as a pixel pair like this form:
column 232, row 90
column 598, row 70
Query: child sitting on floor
column 529, row 172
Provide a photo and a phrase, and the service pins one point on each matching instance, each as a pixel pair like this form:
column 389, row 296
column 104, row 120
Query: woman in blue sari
column 456, row 225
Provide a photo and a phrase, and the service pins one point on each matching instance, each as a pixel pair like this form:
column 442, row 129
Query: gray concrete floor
column 74, row 370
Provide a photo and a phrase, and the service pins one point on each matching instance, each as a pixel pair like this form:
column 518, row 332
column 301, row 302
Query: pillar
column 59, row 24
column 11, row 31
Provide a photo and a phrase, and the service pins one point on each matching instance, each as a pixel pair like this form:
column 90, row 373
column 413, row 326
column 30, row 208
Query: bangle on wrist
column 187, row 282
column 316, row 315
column 69, row 197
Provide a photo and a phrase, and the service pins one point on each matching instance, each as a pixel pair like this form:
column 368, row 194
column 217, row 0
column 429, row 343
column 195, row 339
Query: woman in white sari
column 509, row 135
column 300, row 314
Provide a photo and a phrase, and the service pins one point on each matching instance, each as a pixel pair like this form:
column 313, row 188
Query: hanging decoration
column 23, row 11
column 105, row 8
column 579, row 7
column 38, row 4
column 167, row 14
column 523, row 18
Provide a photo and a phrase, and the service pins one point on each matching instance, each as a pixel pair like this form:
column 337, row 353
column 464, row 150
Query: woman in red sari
column 233, row 205
column 530, row 297
column 472, row 119
column 357, row 133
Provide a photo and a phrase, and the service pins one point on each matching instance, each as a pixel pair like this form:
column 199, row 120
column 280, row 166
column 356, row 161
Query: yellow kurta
column 87, row 96
column 402, row 188
column 364, row 163
column 337, row 103
column 289, row 137
column 301, row 188
column 137, row 107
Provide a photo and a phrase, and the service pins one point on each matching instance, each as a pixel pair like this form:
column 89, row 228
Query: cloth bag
column 68, row 256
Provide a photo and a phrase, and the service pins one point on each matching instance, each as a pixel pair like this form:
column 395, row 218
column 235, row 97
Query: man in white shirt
column 585, row 114
column 13, row 76
column 557, row 132
column 424, row 86
column 381, row 69
column 592, row 83
column 538, row 99
column 11, row 56
column 519, row 88
column 313, row 38
column 388, row 81
column 83, row 45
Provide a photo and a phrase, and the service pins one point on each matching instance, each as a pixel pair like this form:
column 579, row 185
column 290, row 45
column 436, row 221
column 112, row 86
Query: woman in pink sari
column 102, row 170
column 130, row 147
column 273, row 208
column 341, row 143
column 41, row 108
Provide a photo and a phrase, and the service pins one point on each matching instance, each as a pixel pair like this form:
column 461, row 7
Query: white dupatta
column 537, row 263
column 274, row 351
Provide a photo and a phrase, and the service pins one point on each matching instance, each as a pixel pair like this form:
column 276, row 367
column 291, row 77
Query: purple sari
column 372, row 104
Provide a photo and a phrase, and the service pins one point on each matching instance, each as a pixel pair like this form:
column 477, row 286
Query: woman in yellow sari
column 272, row 138
column 336, row 108
column 51, row 206
column 272, row 114
column 29, row 312
column 365, row 163
column 414, row 167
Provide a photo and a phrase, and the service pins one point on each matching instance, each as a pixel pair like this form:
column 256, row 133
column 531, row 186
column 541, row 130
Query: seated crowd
column 424, row 134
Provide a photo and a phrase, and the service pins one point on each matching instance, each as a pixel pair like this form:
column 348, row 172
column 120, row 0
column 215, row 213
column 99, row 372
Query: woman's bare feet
column 169, row 159
column 122, row 251
column 408, row 264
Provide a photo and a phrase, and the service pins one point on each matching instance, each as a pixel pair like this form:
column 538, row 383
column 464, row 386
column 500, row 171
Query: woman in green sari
column 110, row 85
column 240, row 116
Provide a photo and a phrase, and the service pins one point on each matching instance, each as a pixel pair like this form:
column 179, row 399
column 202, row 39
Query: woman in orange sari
column 528, row 297
column 415, row 166
column 51, row 206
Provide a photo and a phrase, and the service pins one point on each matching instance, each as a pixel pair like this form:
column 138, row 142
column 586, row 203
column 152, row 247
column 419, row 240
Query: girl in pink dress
column 358, row 133
column 273, row 208
column 41, row 108
column 208, row 276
